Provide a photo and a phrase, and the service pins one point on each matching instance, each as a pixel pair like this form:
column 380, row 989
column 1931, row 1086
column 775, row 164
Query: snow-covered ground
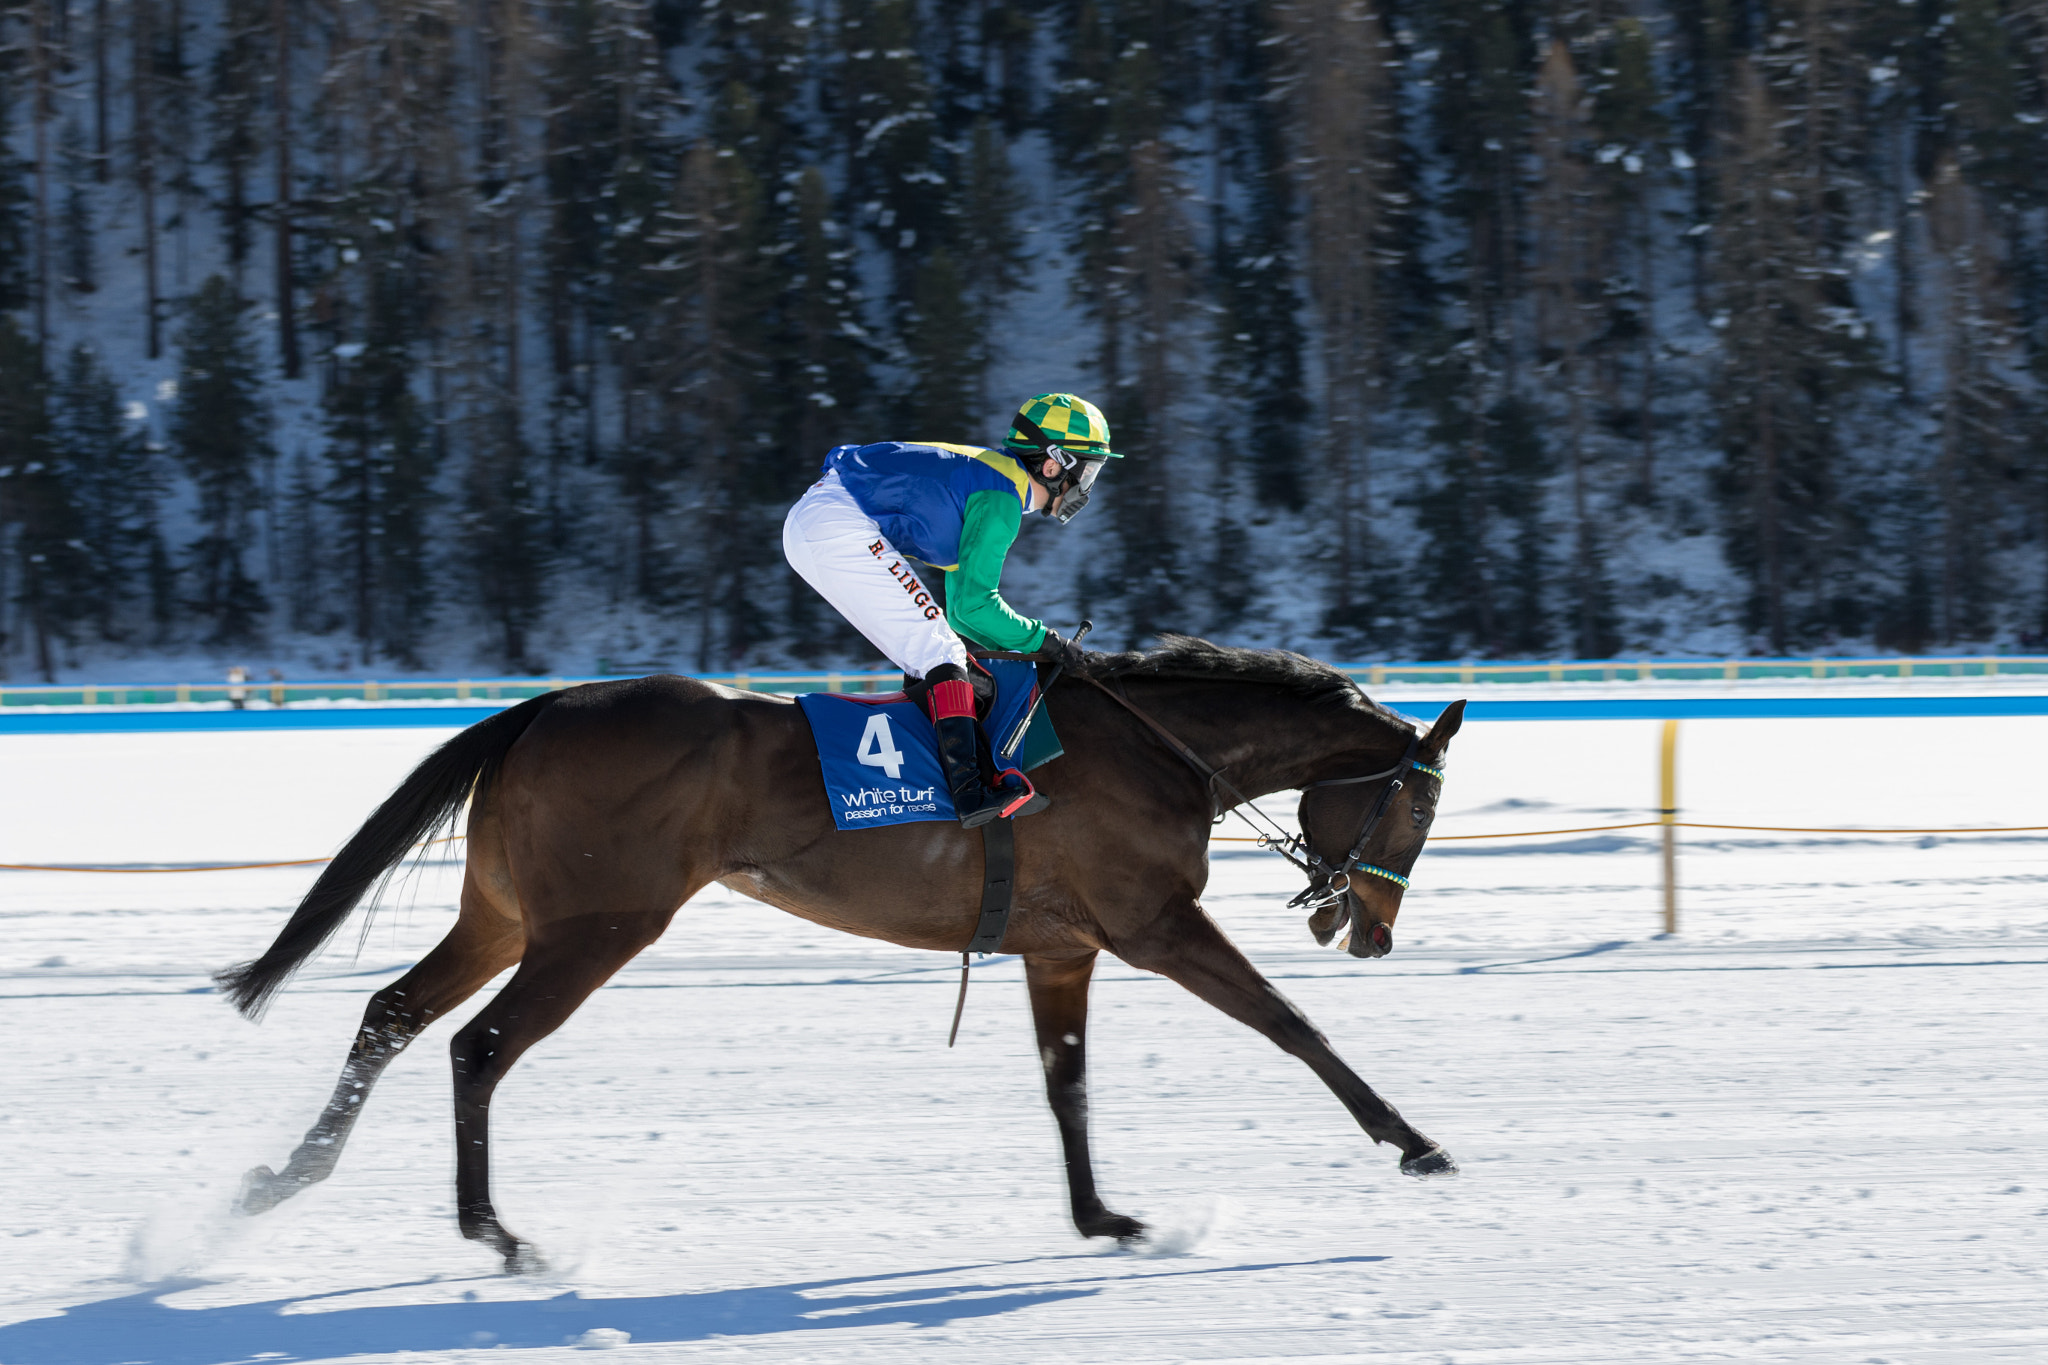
column 1809, row 1128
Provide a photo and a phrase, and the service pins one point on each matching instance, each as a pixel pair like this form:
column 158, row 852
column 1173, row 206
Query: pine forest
column 473, row 335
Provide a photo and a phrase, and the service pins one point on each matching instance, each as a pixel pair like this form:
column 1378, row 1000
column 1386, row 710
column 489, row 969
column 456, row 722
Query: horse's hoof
column 523, row 1258
column 262, row 1191
column 1125, row 1230
column 1435, row 1161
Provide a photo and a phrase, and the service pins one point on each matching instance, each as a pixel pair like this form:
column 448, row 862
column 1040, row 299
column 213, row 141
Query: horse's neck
column 1264, row 739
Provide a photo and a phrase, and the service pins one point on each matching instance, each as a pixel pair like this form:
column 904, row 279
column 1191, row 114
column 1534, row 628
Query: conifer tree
column 1484, row 566
column 143, row 146
column 1136, row 275
column 1978, row 402
column 283, row 186
column 381, row 460
column 1985, row 87
column 1627, row 116
column 1569, row 275
column 820, row 352
column 1785, row 363
column 116, row 486
column 715, row 367
column 823, row 346
column 235, row 92
column 758, row 70
column 42, row 60
column 1341, row 100
column 49, row 560
column 303, row 537
column 1006, row 73
column 988, row 241
column 1260, row 334
column 1480, row 115
column 14, row 211
column 503, row 537
column 605, row 155
column 890, row 133
column 79, row 266
column 943, row 337
column 218, row 433
column 392, row 207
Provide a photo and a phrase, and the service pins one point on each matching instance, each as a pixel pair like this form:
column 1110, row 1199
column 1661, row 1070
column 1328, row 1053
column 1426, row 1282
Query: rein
column 1327, row 884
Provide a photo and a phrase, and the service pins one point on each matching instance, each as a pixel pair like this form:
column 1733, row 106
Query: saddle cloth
column 881, row 760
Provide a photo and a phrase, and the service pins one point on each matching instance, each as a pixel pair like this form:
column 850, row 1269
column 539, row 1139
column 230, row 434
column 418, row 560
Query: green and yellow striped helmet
column 1071, row 421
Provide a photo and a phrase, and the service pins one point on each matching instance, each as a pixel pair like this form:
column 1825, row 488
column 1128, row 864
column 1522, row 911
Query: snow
column 1806, row 1129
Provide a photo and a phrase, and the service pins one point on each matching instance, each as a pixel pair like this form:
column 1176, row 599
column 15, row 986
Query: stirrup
column 1030, row 801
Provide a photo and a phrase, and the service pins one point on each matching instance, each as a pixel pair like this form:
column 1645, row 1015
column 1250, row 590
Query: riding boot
column 950, row 701
column 974, row 803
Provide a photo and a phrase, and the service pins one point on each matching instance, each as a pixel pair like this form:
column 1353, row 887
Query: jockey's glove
column 1057, row 649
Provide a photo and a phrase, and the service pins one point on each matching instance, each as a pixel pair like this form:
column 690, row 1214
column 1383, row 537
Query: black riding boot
column 974, row 803
column 959, row 746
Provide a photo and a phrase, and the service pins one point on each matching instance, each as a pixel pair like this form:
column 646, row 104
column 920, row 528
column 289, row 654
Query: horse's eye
column 1421, row 815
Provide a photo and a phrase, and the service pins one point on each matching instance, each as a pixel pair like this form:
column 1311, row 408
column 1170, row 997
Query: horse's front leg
column 1059, row 1011
column 1184, row 945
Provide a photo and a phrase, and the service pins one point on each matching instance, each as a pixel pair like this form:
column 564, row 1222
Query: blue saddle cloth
column 881, row 759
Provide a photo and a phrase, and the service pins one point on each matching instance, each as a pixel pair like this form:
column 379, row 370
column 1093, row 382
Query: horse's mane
column 1185, row 656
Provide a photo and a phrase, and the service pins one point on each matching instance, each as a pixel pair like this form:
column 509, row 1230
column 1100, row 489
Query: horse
column 596, row 812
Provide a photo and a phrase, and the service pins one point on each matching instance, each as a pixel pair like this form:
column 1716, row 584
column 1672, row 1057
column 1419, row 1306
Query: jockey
column 956, row 508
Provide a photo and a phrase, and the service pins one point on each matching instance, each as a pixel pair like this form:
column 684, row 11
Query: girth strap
column 998, row 898
column 999, row 877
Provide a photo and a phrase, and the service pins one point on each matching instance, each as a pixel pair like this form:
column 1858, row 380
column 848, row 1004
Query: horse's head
column 1369, row 834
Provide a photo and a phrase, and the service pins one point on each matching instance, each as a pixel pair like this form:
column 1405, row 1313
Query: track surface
column 1808, row 1129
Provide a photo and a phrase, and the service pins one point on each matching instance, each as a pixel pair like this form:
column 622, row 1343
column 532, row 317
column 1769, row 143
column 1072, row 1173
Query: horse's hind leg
column 562, row 966
column 1059, row 1011
column 483, row 943
column 1185, row 945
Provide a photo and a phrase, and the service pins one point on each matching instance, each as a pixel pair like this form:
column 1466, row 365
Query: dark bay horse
column 595, row 813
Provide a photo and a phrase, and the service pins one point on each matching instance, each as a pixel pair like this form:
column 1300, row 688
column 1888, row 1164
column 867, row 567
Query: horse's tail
column 425, row 801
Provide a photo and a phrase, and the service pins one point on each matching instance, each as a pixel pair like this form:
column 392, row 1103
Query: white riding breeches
column 840, row 551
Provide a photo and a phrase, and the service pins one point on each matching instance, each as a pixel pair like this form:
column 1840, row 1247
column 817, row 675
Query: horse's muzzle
column 1375, row 940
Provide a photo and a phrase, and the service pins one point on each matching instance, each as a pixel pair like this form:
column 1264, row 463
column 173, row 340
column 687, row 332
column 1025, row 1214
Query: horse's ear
column 1439, row 737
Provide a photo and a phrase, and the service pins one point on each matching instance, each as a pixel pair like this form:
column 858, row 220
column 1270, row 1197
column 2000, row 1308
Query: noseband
column 1327, row 884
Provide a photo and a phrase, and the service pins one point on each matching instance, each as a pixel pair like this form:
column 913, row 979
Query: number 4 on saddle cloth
column 881, row 759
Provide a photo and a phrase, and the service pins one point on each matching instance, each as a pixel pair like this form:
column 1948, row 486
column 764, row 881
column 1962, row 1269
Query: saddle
column 879, row 758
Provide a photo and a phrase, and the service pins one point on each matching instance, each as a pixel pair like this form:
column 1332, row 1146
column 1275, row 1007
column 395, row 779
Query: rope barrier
column 1691, row 824
column 1214, row 839
column 197, row 867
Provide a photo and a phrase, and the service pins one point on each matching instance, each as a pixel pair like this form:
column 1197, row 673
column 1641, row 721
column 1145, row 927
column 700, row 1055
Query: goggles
column 1077, row 477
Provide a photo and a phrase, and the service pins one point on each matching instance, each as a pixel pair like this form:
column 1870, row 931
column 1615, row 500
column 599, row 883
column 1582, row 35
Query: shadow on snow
column 140, row 1329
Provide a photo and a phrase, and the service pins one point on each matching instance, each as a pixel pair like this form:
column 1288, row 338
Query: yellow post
column 1667, row 812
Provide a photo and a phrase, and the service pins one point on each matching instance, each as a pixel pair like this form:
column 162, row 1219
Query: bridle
column 1327, row 882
